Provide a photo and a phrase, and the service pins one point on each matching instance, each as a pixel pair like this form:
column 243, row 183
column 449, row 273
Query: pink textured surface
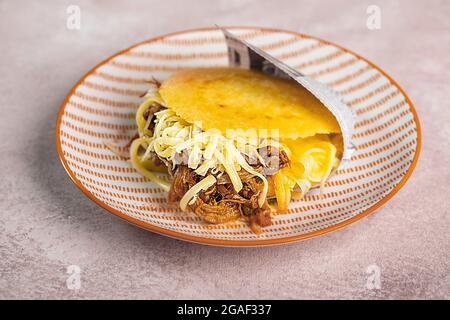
column 46, row 224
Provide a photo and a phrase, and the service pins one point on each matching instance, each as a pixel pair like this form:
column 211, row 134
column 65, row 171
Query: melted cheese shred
column 138, row 163
column 312, row 161
column 190, row 196
column 152, row 97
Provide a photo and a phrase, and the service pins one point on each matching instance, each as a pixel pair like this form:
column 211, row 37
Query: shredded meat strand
column 183, row 179
column 221, row 212
column 220, row 203
column 274, row 160
column 128, row 145
column 150, row 112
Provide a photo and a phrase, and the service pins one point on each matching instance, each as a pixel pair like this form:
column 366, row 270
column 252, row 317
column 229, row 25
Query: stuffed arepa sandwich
column 235, row 143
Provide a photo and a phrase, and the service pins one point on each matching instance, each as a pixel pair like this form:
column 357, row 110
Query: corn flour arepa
column 235, row 143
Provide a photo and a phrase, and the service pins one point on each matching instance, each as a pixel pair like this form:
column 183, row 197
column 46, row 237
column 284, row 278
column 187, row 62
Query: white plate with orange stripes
column 101, row 107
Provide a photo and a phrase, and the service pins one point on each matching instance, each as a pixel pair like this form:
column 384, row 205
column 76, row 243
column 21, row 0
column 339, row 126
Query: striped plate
column 101, row 107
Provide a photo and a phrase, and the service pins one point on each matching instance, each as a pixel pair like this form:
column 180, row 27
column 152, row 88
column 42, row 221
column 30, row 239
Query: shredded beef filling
column 274, row 160
column 221, row 203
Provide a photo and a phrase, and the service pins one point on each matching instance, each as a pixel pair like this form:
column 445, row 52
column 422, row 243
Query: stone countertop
column 47, row 224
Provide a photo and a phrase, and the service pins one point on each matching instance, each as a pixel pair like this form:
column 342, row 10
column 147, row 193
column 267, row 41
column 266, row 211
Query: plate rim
column 226, row 242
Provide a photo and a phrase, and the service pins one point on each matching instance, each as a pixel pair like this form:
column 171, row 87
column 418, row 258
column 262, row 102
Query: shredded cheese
column 137, row 163
column 205, row 149
column 191, row 194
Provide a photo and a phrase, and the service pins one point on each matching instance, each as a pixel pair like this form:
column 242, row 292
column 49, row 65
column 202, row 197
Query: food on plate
column 235, row 144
